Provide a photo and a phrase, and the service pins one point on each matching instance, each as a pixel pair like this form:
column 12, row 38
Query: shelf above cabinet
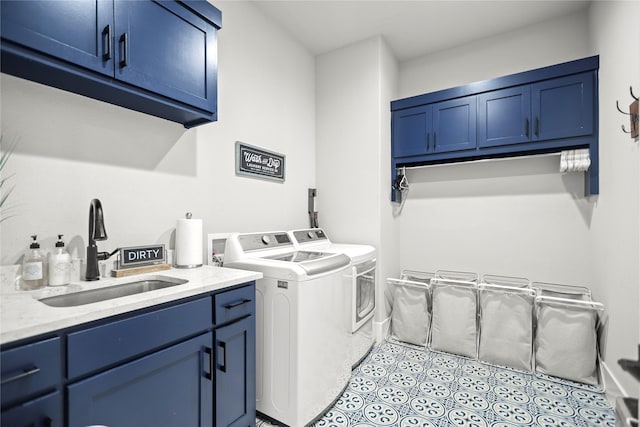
column 542, row 111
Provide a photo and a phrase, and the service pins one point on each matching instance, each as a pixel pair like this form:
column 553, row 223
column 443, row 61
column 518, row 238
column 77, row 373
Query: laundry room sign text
column 135, row 256
column 259, row 163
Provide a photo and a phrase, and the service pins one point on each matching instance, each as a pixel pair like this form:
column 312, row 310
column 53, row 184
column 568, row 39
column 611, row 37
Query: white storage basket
column 506, row 325
column 410, row 315
column 566, row 339
column 454, row 327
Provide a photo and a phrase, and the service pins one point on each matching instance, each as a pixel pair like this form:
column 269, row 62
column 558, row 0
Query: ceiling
column 412, row 28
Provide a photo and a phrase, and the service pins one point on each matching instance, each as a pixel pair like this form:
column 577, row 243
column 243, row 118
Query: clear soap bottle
column 59, row 265
column 34, row 267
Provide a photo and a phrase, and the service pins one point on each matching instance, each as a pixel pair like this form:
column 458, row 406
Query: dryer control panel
column 310, row 235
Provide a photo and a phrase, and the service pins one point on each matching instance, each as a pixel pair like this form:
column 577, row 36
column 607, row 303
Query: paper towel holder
column 188, row 216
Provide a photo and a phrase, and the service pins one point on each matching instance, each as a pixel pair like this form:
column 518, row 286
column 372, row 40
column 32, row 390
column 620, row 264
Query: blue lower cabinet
column 45, row 411
column 169, row 366
column 235, row 373
column 172, row 387
column 30, row 370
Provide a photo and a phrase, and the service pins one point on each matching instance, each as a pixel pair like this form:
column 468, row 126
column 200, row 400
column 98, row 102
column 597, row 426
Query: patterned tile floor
column 403, row 385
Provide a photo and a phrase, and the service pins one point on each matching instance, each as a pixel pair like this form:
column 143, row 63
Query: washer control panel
column 252, row 242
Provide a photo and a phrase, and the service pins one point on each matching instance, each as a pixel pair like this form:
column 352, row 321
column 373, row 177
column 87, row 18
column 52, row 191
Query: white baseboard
column 381, row 329
column 613, row 387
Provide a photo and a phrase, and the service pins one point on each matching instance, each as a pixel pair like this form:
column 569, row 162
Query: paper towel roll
column 188, row 243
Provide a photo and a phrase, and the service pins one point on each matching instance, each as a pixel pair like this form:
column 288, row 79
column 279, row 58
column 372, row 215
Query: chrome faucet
column 96, row 232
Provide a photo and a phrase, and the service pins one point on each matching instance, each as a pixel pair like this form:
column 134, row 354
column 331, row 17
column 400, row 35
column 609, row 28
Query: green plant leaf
column 4, row 158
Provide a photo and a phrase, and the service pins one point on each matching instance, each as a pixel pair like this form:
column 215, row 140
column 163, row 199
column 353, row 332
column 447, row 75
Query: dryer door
column 364, row 293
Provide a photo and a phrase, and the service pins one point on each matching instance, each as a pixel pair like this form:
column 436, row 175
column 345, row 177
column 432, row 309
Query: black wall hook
column 619, row 109
column 633, row 115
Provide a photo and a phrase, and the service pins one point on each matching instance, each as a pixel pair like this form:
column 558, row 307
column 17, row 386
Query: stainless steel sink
column 111, row 292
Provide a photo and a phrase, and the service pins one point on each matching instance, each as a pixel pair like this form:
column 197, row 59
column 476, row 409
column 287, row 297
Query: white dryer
column 360, row 296
column 302, row 346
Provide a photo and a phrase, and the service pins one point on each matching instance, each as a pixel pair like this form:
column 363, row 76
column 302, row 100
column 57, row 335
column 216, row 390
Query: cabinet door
column 168, row 50
column 97, row 348
column 236, row 373
column 454, row 124
column 172, row 387
column 563, row 107
column 45, row 411
column 75, row 31
column 29, row 370
column 504, row 117
column 412, row 130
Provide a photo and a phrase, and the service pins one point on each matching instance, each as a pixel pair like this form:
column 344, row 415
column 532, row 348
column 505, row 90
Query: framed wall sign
column 259, row 163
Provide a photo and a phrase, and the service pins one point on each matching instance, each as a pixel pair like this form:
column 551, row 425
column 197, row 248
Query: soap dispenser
column 59, row 265
column 34, row 267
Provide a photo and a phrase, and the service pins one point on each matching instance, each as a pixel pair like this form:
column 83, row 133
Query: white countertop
column 23, row 316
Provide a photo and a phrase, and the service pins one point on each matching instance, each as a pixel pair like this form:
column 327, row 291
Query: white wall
column 615, row 246
column 347, row 138
column 148, row 172
column 390, row 255
column 550, row 42
column 354, row 87
column 517, row 217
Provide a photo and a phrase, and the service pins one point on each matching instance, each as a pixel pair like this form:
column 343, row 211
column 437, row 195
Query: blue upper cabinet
column 545, row 110
column 563, row 107
column 548, row 110
column 164, row 48
column 79, row 32
column 454, row 125
column 156, row 57
column 412, row 131
column 504, row 117
column 435, row 128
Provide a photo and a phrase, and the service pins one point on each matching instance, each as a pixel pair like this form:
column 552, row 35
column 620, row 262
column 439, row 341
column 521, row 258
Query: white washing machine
column 360, row 296
column 302, row 360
